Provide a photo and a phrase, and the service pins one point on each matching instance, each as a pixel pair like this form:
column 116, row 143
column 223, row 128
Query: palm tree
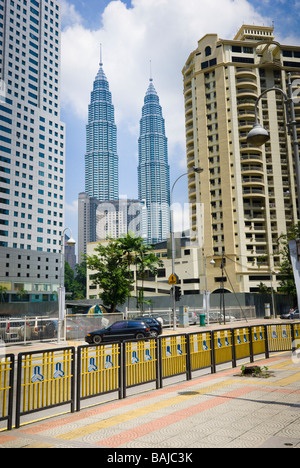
column 146, row 262
column 136, row 252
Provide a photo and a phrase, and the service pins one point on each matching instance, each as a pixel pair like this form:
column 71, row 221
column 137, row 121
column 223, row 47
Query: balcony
column 254, row 191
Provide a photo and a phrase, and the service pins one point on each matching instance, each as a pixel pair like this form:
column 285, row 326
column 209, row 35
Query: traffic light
column 177, row 293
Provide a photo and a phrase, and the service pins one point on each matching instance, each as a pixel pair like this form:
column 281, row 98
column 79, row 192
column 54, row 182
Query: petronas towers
column 102, row 165
column 153, row 170
column 101, row 159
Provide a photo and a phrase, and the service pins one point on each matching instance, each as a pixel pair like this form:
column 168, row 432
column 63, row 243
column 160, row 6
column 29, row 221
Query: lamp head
column 198, row 170
column 258, row 136
column 71, row 242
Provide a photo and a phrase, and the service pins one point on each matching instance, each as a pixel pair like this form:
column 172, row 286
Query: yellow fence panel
column 223, row 346
column 200, row 350
column 99, row 370
column 297, row 332
column 242, row 342
column 141, row 362
column 45, row 379
column 6, row 388
column 258, row 340
column 279, row 337
column 173, row 355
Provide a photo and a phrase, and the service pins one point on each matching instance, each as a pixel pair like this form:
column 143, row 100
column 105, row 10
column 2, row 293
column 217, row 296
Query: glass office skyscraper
column 32, row 151
column 153, row 170
column 101, row 159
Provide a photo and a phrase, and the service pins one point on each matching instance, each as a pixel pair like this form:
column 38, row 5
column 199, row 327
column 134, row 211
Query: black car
column 119, row 331
column 155, row 326
column 296, row 315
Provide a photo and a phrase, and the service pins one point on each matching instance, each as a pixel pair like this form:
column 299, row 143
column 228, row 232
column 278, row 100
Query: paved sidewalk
column 212, row 411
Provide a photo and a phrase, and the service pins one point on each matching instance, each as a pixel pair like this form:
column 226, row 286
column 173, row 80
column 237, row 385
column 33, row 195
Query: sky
column 133, row 33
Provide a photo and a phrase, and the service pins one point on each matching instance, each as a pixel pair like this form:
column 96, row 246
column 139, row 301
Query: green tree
column 80, row 281
column 113, row 265
column 287, row 282
column 3, row 291
column 141, row 255
column 146, row 262
column 112, row 273
column 75, row 284
column 69, row 278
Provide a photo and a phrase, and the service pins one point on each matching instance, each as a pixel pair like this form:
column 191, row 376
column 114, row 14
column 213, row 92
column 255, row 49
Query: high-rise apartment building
column 32, row 149
column 248, row 193
column 101, row 159
column 153, row 170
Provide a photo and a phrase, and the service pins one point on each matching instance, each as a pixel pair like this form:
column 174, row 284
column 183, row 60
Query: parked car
column 13, row 331
column 288, row 316
column 192, row 318
column 119, row 331
column 154, row 324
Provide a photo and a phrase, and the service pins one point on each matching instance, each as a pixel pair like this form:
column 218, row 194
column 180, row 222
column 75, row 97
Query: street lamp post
column 258, row 136
column 61, row 289
column 197, row 170
column 272, row 292
column 206, row 292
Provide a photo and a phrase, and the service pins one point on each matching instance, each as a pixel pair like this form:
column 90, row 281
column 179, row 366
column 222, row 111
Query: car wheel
column 154, row 334
column 97, row 339
column 139, row 336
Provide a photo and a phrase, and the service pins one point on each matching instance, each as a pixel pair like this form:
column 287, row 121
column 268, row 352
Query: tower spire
column 101, row 62
column 151, row 79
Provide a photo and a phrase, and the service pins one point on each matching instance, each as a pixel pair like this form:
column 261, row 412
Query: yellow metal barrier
column 6, row 388
column 258, row 340
column 173, row 355
column 297, row 333
column 242, row 342
column 200, row 350
column 141, row 362
column 279, row 337
column 98, row 370
column 223, row 346
column 45, row 380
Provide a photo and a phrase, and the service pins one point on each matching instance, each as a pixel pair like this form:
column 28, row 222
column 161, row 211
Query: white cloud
column 69, row 14
column 165, row 31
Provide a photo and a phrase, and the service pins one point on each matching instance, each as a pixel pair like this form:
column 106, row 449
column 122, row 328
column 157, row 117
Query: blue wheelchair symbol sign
column 58, row 372
column 92, row 367
column 37, row 376
column 108, row 362
column 134, row 359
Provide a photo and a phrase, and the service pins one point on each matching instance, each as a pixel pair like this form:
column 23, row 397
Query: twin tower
column 101, row 159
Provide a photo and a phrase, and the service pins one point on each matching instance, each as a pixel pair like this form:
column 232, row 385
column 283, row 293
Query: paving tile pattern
column 212, row 411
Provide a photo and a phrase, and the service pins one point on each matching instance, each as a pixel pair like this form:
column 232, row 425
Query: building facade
column 101, row 159
column 32, row 148
column 153, row 170
column 99, row 220
column 248, row 193
column 187, row 269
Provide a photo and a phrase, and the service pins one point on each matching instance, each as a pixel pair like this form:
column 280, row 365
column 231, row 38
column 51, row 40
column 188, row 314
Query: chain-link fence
column 27, row 329
column 165, row 316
